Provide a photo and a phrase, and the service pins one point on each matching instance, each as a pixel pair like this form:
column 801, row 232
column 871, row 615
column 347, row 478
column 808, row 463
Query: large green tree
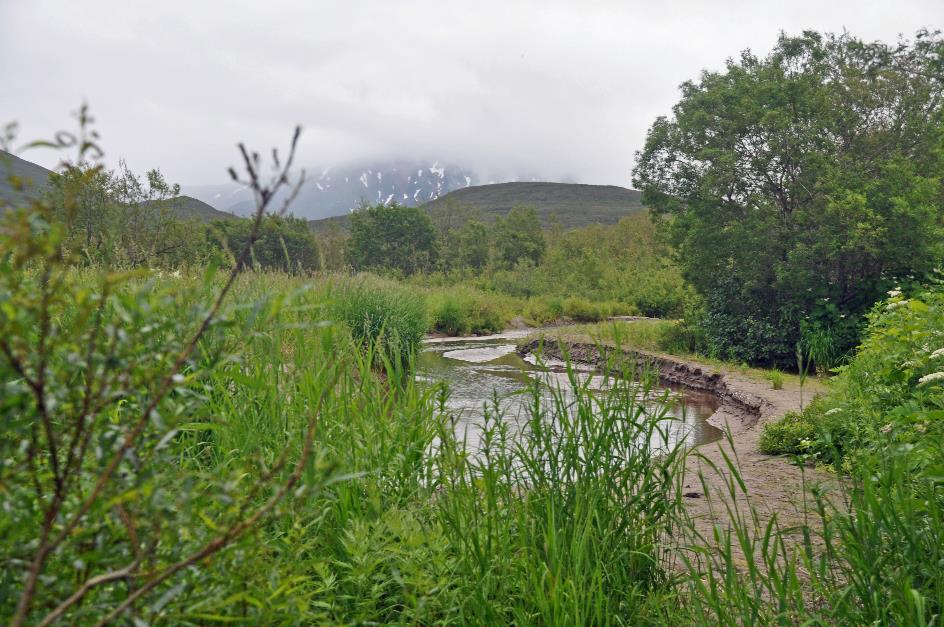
column 392, row 237
column 800, row 186
column 519, row 237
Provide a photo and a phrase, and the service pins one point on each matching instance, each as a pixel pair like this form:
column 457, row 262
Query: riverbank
column 770, row 486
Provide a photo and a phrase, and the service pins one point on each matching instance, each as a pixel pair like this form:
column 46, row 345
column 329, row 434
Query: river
column 484, row 371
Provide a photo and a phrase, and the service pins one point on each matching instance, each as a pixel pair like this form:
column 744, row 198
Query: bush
column 583, row 310
column 776, row 379
column 382, row 317
column 465, row 312
column 878, row 397
column 789, row 435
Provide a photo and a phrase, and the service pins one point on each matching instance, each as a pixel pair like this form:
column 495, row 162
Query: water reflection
column 486, row 371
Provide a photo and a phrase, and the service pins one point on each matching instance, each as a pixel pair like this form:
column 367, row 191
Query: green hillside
column 573, row 205
column 20, row 179
column 188, row 208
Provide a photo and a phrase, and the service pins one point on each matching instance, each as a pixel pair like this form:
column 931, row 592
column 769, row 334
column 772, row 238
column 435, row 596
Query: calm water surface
column 482, row 371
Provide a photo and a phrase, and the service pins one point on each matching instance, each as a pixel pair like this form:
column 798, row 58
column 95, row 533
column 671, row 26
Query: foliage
column 473, row 244
column 462, row 311
column 114, row 217
column 624, row 267
column 883, row 424
column 392, row 237
column 519, row 238
column 382, row 317
column 791, row 434
column 102, row 379
column 878, row 397
column 801, row 186
column 282, row 243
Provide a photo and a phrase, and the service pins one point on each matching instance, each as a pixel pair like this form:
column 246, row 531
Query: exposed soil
column 774, row 486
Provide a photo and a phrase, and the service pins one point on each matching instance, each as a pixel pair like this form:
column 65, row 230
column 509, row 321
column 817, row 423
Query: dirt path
column 774, row 486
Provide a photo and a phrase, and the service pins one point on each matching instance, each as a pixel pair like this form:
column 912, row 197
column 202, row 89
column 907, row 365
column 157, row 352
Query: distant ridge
column 569, row 204
column 187, row 208
column 35, row 179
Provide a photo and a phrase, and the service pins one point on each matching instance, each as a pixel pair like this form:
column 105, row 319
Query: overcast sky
column 560, row 89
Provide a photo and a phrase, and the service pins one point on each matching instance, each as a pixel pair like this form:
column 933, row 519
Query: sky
column 558, row 90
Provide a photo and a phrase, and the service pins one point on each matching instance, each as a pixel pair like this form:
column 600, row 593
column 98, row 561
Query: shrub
column 776, row 379
column 681, row 338
column 583, row 310
column 791, row 434
column 382, row 317
column 541, row 310
column 464, row 312
column 448, row 318
column 878, row 396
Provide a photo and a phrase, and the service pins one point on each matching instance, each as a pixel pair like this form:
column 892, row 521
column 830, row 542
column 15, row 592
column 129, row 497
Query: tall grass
column 381, row 316
column 570, row 513
column 566, row 521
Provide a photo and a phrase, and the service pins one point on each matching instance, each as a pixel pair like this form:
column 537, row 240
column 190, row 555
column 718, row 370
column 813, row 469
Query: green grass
column 579, row 520
column 419, row 531
column 381, row 316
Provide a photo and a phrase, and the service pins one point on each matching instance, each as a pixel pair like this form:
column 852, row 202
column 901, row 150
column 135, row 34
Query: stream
column 480, row 371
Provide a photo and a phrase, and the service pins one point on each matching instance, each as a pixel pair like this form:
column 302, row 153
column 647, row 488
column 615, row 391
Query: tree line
column 120, row 219
column 409, row 240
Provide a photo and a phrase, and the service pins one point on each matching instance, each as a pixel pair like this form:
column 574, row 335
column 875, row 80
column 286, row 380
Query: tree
column 392, row 237
column 800, row 186
column 519, row 237
column 474, row 245
column 450, row 218
column 116, row 218
column 283, row 243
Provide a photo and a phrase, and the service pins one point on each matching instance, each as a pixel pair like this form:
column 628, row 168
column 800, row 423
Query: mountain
column 34, row 179
column 336, row 191
column 570, row 204
column 188, row 208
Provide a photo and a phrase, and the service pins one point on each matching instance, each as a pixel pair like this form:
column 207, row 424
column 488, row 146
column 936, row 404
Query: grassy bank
column 392, row 521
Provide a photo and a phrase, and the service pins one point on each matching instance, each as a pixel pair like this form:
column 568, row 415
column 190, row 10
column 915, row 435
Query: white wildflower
column 930, row 378
column 834, row 410
column 175, row 274
column 938, row 353
column 894, row 293
column 921, row 427
column 887, row 428
column 895, row 304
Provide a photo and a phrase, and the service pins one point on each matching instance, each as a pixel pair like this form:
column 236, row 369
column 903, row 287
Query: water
column 479, row 371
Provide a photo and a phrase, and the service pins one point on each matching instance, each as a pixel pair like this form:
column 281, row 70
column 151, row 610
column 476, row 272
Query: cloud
column 563, row 89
